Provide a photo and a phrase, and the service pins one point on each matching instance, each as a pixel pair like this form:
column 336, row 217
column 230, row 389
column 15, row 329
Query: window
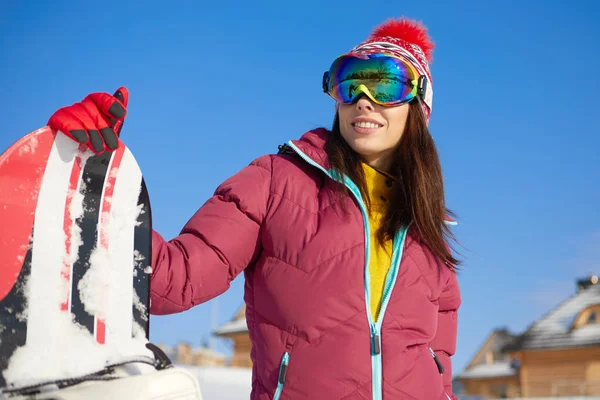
column 588, row 316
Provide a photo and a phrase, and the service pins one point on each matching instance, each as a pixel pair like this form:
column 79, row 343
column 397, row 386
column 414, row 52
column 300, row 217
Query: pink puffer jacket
column 280, row 222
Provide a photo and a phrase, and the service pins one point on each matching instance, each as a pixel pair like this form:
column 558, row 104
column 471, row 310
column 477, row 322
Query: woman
column 351, row 291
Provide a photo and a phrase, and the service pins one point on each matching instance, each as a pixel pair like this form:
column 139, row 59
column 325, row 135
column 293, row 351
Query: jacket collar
column 312, row 143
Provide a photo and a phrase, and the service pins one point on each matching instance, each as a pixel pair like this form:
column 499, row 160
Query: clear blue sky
column 215, row 84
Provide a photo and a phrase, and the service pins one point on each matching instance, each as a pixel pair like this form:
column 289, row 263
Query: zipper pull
column 282, row 373
column 283, row 368
column 376, row 342
column 437, row 361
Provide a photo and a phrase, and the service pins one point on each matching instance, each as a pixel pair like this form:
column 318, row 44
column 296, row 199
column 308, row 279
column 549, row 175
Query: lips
column 366, row 125
column 360, row 120
column 370, row 125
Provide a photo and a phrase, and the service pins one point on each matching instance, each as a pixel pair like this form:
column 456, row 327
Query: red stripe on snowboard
column 68, row 229
column 109, row 188
column 21, row 171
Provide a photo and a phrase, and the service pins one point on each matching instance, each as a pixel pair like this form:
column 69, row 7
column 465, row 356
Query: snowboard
column 75, row 253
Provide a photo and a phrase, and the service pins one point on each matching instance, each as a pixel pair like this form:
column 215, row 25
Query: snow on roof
column 236, row 326
column 590, row 332
column 494, row 370
column 554, row 330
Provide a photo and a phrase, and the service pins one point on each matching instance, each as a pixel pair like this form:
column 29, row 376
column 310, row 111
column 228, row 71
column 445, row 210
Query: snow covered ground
column 221, row 383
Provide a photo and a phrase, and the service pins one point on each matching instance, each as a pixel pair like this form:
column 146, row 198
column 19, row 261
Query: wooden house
column 237, row 331
column 558, row 355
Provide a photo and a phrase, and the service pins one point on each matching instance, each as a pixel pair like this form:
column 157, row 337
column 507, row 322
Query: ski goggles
column 385, row 79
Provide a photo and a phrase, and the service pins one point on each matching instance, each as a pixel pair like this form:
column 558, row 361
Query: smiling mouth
column 366, row 125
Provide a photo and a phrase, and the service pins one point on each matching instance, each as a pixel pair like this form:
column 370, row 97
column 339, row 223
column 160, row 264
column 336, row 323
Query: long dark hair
column 418, row 198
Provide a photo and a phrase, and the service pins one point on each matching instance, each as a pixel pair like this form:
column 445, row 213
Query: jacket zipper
column 437, row 361
column 390, row 280
column 285, row 360
column 440, row 367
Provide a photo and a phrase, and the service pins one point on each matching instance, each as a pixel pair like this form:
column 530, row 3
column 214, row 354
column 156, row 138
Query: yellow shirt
column 379, row 188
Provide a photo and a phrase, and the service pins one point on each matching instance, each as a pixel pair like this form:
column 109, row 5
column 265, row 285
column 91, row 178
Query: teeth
column 370, row 125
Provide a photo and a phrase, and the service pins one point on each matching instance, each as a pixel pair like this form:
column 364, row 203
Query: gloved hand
column 95, row 121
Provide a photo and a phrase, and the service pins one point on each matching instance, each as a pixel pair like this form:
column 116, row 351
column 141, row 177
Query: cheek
column 342, row 112
column 395, row 132
column 343, row 121
column 396, row 123
column 346, row 135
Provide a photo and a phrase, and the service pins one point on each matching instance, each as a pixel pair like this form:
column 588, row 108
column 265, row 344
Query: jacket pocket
column 285, row 360
column 437, row 361
column 440, row 368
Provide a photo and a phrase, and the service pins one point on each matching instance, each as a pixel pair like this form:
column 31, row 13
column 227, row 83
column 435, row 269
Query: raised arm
column 216, row 244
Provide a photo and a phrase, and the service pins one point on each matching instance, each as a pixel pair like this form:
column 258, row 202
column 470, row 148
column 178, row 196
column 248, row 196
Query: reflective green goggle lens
column 384, row 79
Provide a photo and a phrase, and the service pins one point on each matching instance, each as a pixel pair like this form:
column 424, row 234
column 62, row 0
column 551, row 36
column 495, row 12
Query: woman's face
column 373, row 131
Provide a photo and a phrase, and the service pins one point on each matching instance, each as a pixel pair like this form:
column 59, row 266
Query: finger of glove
column 91, row 122
column 122, row 94
column 111, row 140
column 65, row 122
column 103, row 125
column 108, row 105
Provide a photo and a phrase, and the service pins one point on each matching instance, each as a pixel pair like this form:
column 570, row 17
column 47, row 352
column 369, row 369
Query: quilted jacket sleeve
column 444, row 342
column 216, row 244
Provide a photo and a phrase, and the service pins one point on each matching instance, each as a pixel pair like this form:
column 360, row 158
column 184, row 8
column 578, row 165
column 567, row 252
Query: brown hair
column 418, row 198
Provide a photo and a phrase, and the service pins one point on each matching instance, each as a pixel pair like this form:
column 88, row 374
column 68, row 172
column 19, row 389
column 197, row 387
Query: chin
column 366, row 149
column 367, row 152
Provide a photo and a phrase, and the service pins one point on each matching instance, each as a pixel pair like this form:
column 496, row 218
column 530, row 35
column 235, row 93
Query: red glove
column 96, row 121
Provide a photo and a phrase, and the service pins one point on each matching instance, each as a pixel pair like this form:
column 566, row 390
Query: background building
column 236, row 330
column 492, row 373
column 558, row 355
column 185, row 354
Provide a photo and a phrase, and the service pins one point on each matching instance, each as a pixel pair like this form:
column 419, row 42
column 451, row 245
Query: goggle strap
column 325, row 83
column 425, row 91
column 422, row 86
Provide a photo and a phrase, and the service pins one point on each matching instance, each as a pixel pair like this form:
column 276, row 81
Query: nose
column 364, row 104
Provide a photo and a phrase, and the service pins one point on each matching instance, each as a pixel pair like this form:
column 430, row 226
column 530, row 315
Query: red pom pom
column 408, row 30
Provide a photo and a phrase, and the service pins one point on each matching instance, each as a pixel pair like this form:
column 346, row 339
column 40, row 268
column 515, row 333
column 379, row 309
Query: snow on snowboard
column 75, row 243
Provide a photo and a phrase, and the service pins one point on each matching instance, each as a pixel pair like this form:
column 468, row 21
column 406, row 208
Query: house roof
column 479, row 368
column 498, row 369
column 555, row 329
column 503, row 338
column 237, row 325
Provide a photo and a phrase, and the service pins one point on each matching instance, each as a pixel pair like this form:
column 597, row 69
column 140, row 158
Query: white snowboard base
column 168, row 384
